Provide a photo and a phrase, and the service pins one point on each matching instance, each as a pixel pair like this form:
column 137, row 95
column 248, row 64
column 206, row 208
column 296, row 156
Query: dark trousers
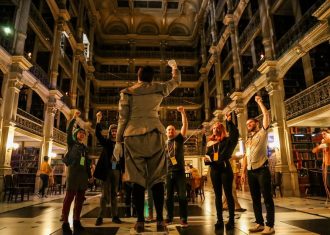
column 222, row 176
column 260, row 183
column 44, row 178
column 78, row 203
column 176, row 180
column 158, row 195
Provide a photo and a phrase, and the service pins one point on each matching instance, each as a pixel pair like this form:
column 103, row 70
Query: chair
column 277, row 183
column 200, row 190
column 21, row 189
column 12, row 189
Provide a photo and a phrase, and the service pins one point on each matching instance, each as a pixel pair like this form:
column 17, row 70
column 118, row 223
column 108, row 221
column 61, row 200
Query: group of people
column 151, row 160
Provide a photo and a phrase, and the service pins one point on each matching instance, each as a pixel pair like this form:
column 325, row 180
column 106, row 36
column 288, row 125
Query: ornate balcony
column 39, row 22
column 115, row 76
column 312, row 98
column 252, row 75
column 249, row 32
column 40, row 74
column 59, row 136
column 182, row 101
column 28, row 122
column 306, row 22
column 227, row 63
column 103, row 99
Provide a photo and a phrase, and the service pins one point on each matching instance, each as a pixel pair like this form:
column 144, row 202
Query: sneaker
column 116, row 220
column 161, row 227
column 66, row 228
column 169, row 221
column 256, row 228
column 139, row 227
column 268, row 230
column 77, row 226
column 184, row 223
column 99, row 221
column 240, row 210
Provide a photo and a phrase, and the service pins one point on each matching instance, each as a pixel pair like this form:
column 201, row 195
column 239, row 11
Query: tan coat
column 139, row 105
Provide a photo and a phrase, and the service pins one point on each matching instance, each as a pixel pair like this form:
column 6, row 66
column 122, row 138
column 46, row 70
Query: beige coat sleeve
column 124, row 109
column 170, row 85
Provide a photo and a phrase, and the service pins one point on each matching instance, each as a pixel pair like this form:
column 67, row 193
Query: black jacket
column 104, row 164
column 225, row 147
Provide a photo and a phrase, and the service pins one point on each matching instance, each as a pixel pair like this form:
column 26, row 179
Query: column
column 74, row 80
column 252, row 46
column 29, row 100
column 267, row 29
column 214, row 31
column 12, row 82
column 203, row 46
column 306, row 59
column 281, row 134
column 87, row 95
column 218, row 81
column 80, row 22
column 58, row 29
column 236, row 55
column 21, row 24
column 47, row 142
column 206, row 95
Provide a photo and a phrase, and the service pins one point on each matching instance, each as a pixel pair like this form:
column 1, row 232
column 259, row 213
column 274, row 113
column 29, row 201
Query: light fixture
column 52, row 155
column 7, row 30
column 12, row 146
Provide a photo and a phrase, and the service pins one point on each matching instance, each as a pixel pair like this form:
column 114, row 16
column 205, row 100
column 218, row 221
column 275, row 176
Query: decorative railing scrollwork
column 40, row 23
column 29, row 122
column 249, row 31
column 40, row 74
column 312, row 98
column 306, row 22
column 59, row 136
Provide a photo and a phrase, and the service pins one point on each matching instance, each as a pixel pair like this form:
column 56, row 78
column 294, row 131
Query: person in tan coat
column 143, row 134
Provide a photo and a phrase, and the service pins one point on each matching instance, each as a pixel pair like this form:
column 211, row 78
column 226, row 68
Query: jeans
column 44, row 178
column 78, row 204
column 109, row 193
column 260, row 183
column 176, row 180
column 222, row 176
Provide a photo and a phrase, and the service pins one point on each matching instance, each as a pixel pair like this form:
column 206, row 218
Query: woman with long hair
column 219, row 150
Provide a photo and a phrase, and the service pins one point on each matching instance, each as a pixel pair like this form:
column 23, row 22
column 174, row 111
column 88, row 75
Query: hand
column 207, row 158
column 258, row 99
column 180, row 109
column 98, row 116
column 76, row 114
column 118, row 151
column 228, row 117
column 172, row 64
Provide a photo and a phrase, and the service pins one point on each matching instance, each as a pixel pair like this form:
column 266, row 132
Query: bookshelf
column 24, row 164
column 308, row 164
column 58, row 170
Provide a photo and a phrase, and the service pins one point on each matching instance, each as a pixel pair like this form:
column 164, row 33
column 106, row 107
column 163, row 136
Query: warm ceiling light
column 7, row 30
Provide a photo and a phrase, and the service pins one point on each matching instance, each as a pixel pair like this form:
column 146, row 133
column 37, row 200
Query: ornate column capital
column 272, row 86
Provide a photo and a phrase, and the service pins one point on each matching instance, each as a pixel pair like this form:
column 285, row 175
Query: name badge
column 82, row 161
column 215, row 157
column 114, row 165
column 173, row 160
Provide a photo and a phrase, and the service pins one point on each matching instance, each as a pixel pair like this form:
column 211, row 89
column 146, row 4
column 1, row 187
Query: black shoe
column 169, row 221
column 139, row 227
column 66, row 228
column 240, row 210
column 218, row 225
column 77, row 226
column 116, row 220
column 161, row 227
column 230, row 225
column 99, row 221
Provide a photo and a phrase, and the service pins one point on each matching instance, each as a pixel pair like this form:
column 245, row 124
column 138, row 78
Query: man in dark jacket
column 78, row 175
column 107, row 170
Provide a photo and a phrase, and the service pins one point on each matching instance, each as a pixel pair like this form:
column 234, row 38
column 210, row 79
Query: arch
column 117, row 28
column 147, row 28
column 178, row 30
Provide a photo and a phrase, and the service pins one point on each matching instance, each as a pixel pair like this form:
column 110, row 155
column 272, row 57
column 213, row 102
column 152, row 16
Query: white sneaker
column 256, row 228
column 268, row 230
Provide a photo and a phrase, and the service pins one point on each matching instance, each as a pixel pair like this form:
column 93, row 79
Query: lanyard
column 169, row 150
column 217, row 149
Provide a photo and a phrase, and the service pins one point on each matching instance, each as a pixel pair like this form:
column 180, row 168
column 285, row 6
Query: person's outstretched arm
column 184, row 119
column 170, row 85
column 265, row 119
column 98, row 130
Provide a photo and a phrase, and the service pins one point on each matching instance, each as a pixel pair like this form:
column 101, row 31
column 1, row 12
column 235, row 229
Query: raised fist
column 172, row 64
